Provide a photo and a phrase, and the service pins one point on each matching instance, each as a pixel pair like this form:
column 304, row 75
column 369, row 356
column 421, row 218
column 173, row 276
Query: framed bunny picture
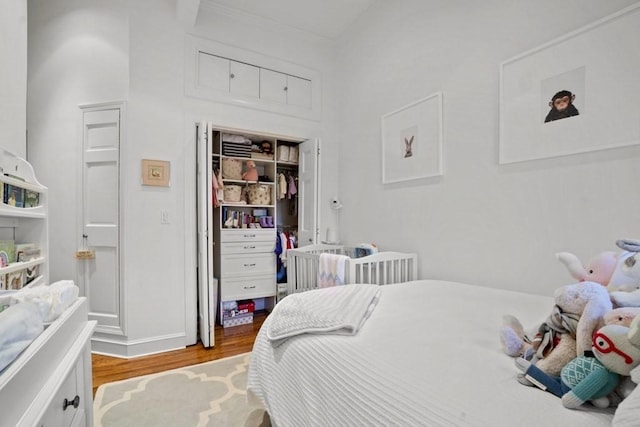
column 412, row 146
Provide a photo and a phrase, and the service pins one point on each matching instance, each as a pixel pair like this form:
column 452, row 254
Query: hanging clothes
column 292, row 190
column 282, row 186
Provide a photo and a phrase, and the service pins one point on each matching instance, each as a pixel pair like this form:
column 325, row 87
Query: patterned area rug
column 207, row 394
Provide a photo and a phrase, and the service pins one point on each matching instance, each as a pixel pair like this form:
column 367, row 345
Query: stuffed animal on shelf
column 599, row 269
column 578, row 311
column 251, row 174
column 592, row 376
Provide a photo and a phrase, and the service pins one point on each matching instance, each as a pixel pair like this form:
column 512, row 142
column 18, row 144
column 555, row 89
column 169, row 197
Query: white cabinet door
column 273, row 86
column 308, row 182
column 213, row 72
column 298, row 91
column 244, row 79
column 100, row 216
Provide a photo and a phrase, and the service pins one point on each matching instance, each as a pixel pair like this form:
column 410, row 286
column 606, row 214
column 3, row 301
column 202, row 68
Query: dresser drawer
column 262, row 264
column 248, row 235
column 247, row 247
column 67, row 408
column 253, row 287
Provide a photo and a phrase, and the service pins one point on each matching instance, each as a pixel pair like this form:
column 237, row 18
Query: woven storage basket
column 231, row 169
column 232, row 193
column 259, row 194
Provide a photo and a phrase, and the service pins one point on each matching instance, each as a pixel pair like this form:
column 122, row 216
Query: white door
column 100, row 278
column 207, row 287
column 308, row 191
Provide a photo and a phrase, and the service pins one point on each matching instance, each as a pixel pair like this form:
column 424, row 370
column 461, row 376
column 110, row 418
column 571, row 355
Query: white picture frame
column 598, row 64
column 412, row 146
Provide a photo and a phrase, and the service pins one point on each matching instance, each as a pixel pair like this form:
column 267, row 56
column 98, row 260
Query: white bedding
column 428, row 355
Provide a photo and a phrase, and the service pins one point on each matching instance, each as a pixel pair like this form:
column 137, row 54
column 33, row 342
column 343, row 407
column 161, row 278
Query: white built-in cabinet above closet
column 224, row 73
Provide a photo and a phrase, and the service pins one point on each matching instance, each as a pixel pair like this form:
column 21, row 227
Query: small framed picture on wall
column 155, row 172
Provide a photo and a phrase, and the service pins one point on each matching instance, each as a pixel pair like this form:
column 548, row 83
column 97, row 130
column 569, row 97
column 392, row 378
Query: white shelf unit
column 49, row 383
column 244, row 258
column 24, row 224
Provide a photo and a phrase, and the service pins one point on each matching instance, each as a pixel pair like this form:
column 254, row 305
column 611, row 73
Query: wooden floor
column 229, row 342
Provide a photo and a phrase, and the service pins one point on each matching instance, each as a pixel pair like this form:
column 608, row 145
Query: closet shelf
column 243, row 182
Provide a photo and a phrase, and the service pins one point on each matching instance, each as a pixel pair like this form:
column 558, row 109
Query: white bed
column 428, row 355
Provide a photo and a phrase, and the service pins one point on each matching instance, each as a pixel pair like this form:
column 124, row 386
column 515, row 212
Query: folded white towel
column 338, row 310
column 331, row 270
column 19, row 325
column 52, row 300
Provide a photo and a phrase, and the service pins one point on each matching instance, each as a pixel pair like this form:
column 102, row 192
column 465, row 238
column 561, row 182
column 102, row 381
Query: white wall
column 481, row 222
column 78, row 54
column 13, row 75
column 92, row 51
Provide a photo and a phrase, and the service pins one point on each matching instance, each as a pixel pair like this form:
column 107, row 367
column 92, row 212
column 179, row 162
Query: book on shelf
column 31, row 198
column 7, row 252
column 16, row 279
column 26, row 252
column 13, row 195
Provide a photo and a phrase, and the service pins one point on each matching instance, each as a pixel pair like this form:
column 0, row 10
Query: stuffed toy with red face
column 594, row 375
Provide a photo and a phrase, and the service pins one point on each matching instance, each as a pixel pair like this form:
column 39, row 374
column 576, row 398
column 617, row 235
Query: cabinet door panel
column 213, row 72
column 272, row 86
column 298, row 92
column 244, row 80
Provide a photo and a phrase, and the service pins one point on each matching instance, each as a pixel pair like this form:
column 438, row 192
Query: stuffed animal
column 578, row 312
column 621, row 316
column 599, row 269
column 624, row 285
column 592, row 376
column 251, row 174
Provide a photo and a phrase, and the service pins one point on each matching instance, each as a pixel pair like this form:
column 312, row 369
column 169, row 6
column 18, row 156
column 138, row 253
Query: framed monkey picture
column 412, row 141
column 555, row 100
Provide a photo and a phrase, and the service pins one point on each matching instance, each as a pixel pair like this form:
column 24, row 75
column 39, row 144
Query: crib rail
column 382, row 268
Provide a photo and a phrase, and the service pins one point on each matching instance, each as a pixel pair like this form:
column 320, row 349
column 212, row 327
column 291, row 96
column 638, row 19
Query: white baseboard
column 114, row 347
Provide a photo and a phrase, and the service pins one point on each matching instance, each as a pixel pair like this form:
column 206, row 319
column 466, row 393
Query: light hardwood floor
column 229, row 342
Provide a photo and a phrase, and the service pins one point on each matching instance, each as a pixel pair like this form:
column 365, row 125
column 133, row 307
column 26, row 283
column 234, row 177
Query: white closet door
column 207, row 286
column 100, row 277
column 308, row 191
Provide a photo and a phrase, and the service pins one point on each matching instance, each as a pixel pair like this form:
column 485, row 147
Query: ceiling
column 326, row 18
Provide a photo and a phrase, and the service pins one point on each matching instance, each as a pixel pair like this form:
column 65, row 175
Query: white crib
column 382, row 268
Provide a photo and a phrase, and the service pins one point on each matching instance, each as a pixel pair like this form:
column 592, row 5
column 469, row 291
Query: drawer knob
column 250, row 265
column 250, row 287
column 75, row 403
column 249, row 247
column 249, row 235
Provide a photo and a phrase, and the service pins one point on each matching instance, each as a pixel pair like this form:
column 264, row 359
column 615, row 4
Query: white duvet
column 428, row 355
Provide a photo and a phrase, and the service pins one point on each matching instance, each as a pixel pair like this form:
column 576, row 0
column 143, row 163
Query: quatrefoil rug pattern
column 207, row 394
